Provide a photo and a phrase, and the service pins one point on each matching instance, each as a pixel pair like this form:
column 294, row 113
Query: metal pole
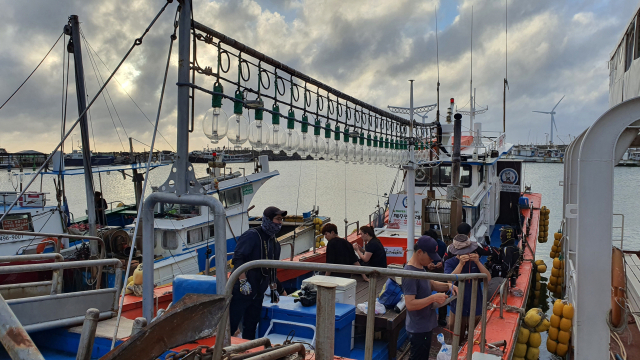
column 13, row 336
column 88, row 334
column 483, row 331
column 410, row 185
column 182, row 154
column 472, row 317
column 455, row 345
column 371, row 318
column 137, row 178
column 84, row 130
column 325, row 321
column 282, row 353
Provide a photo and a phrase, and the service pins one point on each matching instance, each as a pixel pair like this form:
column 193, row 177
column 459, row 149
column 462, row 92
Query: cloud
column 368, row 49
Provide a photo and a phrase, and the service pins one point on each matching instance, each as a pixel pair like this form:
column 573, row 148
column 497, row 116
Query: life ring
column 43, row 244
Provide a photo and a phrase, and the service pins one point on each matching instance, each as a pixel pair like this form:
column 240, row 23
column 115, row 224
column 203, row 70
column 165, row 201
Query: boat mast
column 410, row 184
column 76, row 49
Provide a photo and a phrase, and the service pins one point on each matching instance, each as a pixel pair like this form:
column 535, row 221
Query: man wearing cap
column 421, row 313
column 248, row 293
column 465, row 261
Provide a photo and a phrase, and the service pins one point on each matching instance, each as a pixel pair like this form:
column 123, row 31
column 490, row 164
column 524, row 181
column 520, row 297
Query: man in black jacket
column 248, row 293
column 339, row 251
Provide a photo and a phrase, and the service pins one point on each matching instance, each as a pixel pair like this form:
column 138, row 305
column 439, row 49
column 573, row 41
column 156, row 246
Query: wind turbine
column 553, row 121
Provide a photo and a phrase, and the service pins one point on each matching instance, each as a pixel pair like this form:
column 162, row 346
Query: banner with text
column 398, row 210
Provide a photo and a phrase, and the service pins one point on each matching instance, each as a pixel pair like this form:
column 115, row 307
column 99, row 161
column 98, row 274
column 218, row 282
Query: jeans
column 248, row 310
column 420, row 345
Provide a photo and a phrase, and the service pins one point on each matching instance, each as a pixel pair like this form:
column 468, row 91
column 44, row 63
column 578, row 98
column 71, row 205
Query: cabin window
column 231, row 197
column 17, row 222
column 170, row 240
column 196, row 235
column 630, row 41
column 480, row 174
column 442, row 176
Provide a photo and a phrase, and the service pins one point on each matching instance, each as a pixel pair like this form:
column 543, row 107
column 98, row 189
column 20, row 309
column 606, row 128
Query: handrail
column 68, row 236
column 208, row 264
column 56, row 278
column 621, row 227
column 351, row 269
column 346, row 227
column 291, row 246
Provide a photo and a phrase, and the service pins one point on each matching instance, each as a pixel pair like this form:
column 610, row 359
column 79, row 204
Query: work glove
column 245, row 287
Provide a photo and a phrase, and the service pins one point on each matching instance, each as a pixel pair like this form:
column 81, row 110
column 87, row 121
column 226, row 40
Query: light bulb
column 373, row 155
column 318, row 146
column 306, row 145
column 292, row 142
column 329, row 149
column 277, row 138
column 360, row 151
column 238, row 130
column 214, row 124
column 259, row 132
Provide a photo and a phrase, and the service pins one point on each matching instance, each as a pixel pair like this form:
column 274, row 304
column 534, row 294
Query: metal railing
column 621, row 227
column 373, row 274
column 207, row 268
column 56, row 279
column 346, row 227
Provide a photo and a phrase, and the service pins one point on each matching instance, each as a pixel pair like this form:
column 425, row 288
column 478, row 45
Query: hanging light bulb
column 345, row 148
column 292, row 138
column 374, row 150
column 259, row 132
column 306, row 142
column 214, row 124
column 368, row 151
column 277, row 138
column 317, row 143
column 353, row 149
column 238, row 124
column 337, row 150
column 329, row 143
column 361, row 151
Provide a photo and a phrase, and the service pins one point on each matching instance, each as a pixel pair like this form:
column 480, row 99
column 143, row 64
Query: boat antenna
column 506, row 83
column 437, row 66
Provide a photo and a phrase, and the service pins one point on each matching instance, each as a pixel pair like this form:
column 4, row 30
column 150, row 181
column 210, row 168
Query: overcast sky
column 367, row 49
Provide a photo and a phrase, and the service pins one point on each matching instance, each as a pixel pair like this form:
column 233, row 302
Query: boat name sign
column 247, row 189
column 398, row 206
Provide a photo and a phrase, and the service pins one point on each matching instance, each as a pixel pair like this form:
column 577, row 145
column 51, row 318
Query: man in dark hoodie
column 248, row 293
column 465, row 261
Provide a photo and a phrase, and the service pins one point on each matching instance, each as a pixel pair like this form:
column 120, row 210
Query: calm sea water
column 347, row 191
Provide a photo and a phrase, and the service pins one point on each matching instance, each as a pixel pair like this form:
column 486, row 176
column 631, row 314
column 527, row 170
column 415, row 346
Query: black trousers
column 246, row 309
column 420, row 345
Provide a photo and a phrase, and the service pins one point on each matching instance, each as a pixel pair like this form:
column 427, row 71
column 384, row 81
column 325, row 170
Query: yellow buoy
column 553, row 334
column 565, row 325
column 517, row 358
column 551, row 287
column 554, row 249
column 535, row 340
column 552, row 254
column 542, row 268
column 551, row 346
column 539, row 262
column 567, row 312
column 533, row 353
column 533, row 317
column 520, row 350
column 553, row 280
column 562, row 349
column 557, row 236
column 544, row 326
column 559, row 289
column 556, row 243
column 563, row 337
column 537, row 286
column 538, row 277
column 557, row 307
column 523, row 335
column 555, row 272
column 555, row 321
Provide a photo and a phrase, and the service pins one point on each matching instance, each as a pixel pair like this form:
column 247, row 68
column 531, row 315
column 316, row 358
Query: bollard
column 325, row 320
column 88, row 334
column 138, row 324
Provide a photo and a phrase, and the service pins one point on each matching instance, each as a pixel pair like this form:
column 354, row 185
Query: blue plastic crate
column 193, row 284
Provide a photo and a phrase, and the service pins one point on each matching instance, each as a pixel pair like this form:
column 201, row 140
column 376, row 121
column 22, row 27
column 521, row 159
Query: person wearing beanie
column 465, row 260
column 248, row 293
column 419, row 300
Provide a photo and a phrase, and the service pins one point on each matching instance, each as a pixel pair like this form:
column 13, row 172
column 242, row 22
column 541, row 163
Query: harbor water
column 344, row 191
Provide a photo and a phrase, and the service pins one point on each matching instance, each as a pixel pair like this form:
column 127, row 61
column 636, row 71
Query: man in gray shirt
column 421, row 315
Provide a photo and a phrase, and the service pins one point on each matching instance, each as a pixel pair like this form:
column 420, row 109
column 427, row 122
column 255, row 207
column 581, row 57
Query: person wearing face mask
column 248, row 293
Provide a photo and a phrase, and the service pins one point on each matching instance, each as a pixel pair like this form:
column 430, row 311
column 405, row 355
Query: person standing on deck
column 466, row 261
column 339, row 251
column 438, row 268
column 248, row 293
column 373, row 254
column 421, row 315
column 101, row 207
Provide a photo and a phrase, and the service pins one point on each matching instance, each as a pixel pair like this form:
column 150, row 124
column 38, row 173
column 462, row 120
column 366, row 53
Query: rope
column 153, row 141
column 34, row 70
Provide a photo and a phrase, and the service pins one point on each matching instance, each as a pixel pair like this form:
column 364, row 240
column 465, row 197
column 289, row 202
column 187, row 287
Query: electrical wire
column 34, row 70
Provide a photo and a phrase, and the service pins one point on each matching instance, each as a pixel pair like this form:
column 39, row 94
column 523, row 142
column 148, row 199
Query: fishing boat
column 75, row 159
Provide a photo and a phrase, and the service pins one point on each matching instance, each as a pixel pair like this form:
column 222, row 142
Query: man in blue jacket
column 248, row 293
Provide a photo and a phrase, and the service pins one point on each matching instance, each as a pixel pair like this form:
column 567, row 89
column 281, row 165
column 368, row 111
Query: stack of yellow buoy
column 534, row 295
column 560, row 330
column 556, row 249
column 317, row 222
column 543, row 230
column 557, row 277
column 529, row 339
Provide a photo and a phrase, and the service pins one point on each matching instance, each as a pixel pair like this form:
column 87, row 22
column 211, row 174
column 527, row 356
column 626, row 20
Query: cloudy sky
column 367, row 49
